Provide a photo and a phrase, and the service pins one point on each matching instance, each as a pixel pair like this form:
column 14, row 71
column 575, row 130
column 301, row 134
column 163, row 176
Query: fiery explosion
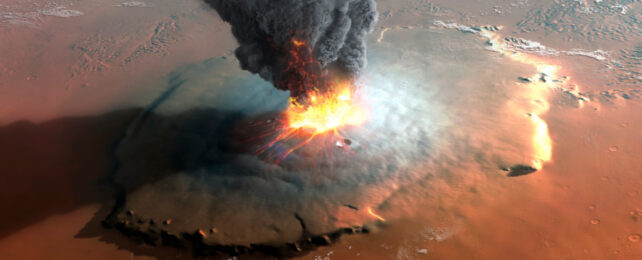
column 324, row 112
column 319, row 104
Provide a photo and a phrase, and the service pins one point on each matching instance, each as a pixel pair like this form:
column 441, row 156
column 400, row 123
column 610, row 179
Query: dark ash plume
column 333, row 32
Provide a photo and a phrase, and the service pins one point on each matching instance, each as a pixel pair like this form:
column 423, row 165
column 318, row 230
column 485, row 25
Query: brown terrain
column 553, row 86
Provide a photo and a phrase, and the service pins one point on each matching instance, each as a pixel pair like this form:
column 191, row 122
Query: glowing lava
column 375, row 215
column 321, row 104
column 324, row 112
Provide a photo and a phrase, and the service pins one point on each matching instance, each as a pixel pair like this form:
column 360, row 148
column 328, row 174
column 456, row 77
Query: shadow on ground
column 56, row 166
column 60, row 165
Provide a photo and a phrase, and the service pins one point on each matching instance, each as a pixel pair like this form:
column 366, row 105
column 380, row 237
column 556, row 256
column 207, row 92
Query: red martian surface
column 460, row 96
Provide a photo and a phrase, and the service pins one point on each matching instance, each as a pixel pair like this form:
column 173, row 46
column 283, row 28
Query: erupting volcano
column 323, row 103
column 313, row 49
column 326, row 111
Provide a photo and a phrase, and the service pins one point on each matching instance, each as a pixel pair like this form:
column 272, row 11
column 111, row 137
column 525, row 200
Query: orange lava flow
column 375, row 215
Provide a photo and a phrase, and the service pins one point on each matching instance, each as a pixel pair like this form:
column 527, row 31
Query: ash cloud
column 333, row 30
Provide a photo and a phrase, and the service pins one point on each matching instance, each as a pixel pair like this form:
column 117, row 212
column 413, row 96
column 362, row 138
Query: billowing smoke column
column 296, row 44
